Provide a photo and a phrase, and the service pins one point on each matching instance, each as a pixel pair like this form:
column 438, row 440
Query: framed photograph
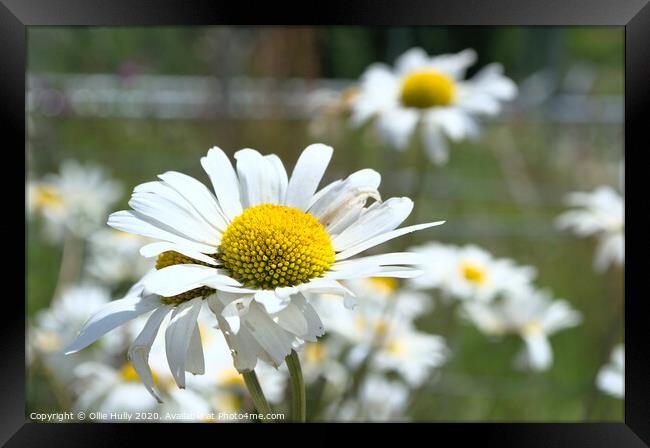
column 352, row 213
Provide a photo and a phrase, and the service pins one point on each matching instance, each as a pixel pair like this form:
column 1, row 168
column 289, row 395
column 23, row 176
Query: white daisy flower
column 106, row 389
column 255, row 249
column 382, row 325
column 611, row 378
column 379, row 400
column 114, row 258
column 600, row 214
column 433, row 92
column 320, row 360
column 534, row 316
column 75, row 200
column 56, row 326
column 470, row 272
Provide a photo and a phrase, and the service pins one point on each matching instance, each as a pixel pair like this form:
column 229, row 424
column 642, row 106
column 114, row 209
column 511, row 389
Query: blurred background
column 142, row 101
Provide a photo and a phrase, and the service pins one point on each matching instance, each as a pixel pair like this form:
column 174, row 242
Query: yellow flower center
column 427, row 88
column 315, row 353
column 231, row 377
column 381, row 327
column 532, row 328
column 395, row 347
column 47, row 198
column 383, row 285
column 128, row 374
column 271, row 246
column 171, row 258
column 473, row 273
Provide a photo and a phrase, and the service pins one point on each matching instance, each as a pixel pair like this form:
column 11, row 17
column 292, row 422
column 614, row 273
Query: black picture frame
column 633, row 15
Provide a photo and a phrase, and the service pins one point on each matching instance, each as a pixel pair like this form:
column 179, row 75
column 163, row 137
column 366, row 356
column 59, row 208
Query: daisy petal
column 155, row 249
column 379, row 218
column 260, row 181
column 109, row 317
column 195, row 362
column 174, row 216
column 307, row 174
column 343, row 196
column 178, row 337
column 291, row 319
column 197, row 195
column 177, row 279
column 134, row 222
column 539, row 352
column 224, row 181
column 349, row 252
column 272, row 303
column 397, row 126
column 275, row 341
column 139, row 351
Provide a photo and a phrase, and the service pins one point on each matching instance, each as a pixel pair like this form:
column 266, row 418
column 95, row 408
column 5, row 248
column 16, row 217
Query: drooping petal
column 195, row 362
column 275, row 341
column 138, row 353
column 178, row 337
column 291, row 319
column 271, row 301
column 434, row 143
column 111, row 316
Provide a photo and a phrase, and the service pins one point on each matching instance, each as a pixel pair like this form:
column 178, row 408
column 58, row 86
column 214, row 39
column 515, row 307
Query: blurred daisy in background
column 469, row 272
column 432, row 92
column 600, row 214
column 381, row 329
column 114, row 258
column 256, row 249
column 611, row 378
column 75, row 200
column 533, row 315
column 53, row 328
column 104, row 388
column 320, row 359
column 379, row 400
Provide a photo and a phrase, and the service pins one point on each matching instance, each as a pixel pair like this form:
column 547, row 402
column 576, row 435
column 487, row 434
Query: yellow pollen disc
column 315, row 352
column 383, row 285
column 381, row 327
column 532, row 328
column 128, row 373
column 47, row 198
column 473, row 273
column 427, row 88
column 171, row 258
column 231, row 377
column 270, row 246
column 395, row 347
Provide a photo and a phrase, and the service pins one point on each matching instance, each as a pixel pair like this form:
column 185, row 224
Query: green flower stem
column 254, row 388
column 298, row 397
